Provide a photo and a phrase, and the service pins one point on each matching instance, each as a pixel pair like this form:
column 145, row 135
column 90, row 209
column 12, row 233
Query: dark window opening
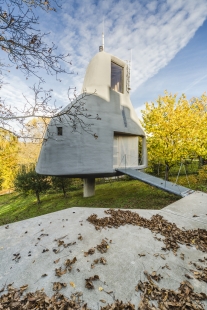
column 116, row 77
column 59, row 131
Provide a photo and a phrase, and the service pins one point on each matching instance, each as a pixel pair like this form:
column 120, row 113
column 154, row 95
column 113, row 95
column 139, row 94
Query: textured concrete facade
column 79, row 154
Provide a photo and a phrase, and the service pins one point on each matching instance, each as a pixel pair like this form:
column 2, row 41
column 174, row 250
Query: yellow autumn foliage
column 8, row 158
column 176, row 128
column 16, row 152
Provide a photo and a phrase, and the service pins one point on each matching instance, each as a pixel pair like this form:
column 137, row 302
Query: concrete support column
column 89, row 187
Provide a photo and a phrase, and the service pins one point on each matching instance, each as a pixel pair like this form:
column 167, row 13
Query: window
column 59, row 131
column 116, row 77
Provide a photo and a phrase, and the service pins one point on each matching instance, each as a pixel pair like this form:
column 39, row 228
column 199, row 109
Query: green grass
column 128, row 194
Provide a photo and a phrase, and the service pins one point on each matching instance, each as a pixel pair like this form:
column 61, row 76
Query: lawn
column 128, row 194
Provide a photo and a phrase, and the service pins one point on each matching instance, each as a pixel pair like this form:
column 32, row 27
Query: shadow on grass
column 130, row 194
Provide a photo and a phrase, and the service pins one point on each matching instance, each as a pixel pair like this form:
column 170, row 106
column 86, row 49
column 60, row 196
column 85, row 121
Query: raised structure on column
column 118, row 139
column 88, row 187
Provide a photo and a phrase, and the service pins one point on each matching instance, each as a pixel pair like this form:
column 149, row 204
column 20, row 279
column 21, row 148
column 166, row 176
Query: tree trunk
column 158, row 170
column 63, row 188
column 200, row 162
column 167, row 169
column 38, row 196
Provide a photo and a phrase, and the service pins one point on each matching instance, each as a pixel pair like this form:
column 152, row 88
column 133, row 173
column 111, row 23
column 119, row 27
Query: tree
column 61, row 183
column 31, row 182
column 29, row 149
column 173, row 127
column 23, row 43
column 200, row 108
column 25, row 47
column 8, row 158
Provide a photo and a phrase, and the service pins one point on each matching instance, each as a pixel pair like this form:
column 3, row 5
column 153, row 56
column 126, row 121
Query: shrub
column 31, row 182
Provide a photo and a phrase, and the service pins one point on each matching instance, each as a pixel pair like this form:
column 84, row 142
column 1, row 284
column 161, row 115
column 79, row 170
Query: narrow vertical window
column 116, row 77
column 59, row 131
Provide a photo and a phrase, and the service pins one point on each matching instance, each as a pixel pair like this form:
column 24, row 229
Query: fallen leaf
column 72, row 284
column 89, row 281
column 103, row 260
column 188, row 276
column 103, row 247
column 173, row 235
column 58, row 286
column 162, row 256
column 59, row 272
column 45, row 250
column 142, row 254
column 24, row 287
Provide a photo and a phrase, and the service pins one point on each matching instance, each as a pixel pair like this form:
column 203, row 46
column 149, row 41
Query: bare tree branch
column 23, row 43
column 26, row 48
column 74, row 115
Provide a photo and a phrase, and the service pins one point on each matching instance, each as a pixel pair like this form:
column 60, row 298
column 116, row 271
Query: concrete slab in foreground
column 34, row 240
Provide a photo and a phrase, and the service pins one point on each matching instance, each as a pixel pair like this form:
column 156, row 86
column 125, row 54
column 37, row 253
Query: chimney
column 100, row 48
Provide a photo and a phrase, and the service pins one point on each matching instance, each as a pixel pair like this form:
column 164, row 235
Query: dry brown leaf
column 166, row 266
column 183, row 298
column 89, row 252
column 59, row 271
column 24, row 287
column 103, row 247
column 162, row 256
column 141, row 254
column 58, row 286
column 103, row 261
column 89, row 282
column 173, row 236
column 69, row 262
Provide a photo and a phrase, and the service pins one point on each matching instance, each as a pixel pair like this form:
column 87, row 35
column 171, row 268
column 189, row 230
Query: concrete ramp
column 157, row 182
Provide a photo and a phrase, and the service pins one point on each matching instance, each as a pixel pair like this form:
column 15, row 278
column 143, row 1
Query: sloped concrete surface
column 157, row 182
column 124, row 266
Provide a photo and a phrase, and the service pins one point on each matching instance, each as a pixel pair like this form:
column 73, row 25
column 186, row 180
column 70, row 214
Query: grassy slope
column 122, row 194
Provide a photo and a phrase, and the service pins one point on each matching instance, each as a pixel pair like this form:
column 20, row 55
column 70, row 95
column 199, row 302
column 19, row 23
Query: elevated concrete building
column 120, row 140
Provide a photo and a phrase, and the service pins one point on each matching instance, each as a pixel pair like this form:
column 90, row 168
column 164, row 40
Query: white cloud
column 155, row 31
column 138, row 111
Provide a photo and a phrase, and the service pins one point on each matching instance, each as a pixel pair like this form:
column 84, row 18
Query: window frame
column 59, row 131
column 122, row 76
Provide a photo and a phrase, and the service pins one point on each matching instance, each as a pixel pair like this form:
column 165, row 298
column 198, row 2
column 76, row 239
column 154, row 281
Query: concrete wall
column 79, row 153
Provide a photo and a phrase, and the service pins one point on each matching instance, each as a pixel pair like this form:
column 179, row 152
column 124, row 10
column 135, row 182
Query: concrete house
column 117, row 138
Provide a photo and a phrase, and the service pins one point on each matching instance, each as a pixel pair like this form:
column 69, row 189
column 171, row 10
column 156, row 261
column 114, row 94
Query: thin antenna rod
column 130, row 67
column 103, row 35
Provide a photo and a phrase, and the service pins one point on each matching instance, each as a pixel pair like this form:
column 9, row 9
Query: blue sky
column 185, row 73
column 168, row 39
